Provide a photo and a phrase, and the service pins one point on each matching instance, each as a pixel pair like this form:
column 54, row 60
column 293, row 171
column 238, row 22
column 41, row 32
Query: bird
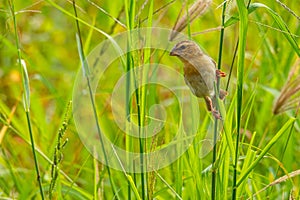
column 200, row 73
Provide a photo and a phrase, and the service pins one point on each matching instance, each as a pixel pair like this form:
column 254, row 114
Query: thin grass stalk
column 188, row 19
column 145, row 73
column 287, row 141
column 141, row 144
column 128, row 177
column 232, row 63
column 140, row 139
column 140, row 120
column 130, row 17
column 116, row 20
column 265, row 150
column 97, row 193
column 140, row 114
column 168, row 185
column 234, row 56
column 214, row 170
column 26, row 99
column 129, row 142
column 97, row 125
column 140, row 101
column 75, row 179
column 130, row 14
column 179, row 162
column 12, row 171
column 158, row 10
column 86, row 74
column 243, row 13
column 34, row 155
column 16, row 130
column 288, row 9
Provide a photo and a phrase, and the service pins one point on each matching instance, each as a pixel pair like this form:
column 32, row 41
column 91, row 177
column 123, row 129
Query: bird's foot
column 216, row 114
column 223, row 94
column 210, row 107
column 219, row 73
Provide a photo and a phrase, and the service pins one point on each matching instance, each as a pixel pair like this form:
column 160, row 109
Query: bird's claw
column 216, row 114
column 219, row 73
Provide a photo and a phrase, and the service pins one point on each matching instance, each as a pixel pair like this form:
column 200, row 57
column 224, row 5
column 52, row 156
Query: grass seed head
column 289, row 97
column 196, row 10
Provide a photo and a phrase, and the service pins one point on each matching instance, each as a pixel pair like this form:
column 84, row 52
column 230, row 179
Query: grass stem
column 34, row 155
column 214, row 170
column 243, row 13
column 86, row 70
column 26, row 99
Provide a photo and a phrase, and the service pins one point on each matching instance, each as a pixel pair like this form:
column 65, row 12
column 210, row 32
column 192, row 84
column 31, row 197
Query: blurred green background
column 48, row 45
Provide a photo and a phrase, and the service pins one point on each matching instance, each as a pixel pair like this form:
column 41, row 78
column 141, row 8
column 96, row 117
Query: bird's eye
column 182, row 47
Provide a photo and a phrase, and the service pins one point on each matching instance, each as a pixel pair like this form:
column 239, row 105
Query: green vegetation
column 43, row 51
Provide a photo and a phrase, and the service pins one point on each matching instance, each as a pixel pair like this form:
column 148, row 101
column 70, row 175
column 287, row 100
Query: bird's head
column 186, row 50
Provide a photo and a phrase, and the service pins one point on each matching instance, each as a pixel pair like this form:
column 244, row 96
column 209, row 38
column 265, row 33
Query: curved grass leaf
column 265, row 150
column 279, row 21
column 25, row 80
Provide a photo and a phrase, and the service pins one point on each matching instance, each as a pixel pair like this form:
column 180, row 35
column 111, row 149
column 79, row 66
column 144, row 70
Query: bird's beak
column 173, row 52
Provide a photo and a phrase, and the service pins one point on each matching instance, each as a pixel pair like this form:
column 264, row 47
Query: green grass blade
column 26, row 98
column 265, row 150
column 133, row 187
column 240, row 82
column 86, row 73
column 26, row 86
column 277, row 18
column 280, row 23
column 217, row 89
column 250, row 156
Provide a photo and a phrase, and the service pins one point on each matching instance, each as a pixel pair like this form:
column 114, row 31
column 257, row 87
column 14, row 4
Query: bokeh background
column 48, row 44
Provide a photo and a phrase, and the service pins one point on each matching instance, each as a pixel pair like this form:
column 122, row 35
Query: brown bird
column 200, row 73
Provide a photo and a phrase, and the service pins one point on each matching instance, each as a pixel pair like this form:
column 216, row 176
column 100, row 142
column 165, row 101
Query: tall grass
column 26, row 97
column 243, row 14
column 255, row 155
column 214, row 170
column 86, row 72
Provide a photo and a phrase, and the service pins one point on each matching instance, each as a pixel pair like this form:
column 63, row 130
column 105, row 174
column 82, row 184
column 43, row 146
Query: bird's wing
column 214, row 62
column 207, row 70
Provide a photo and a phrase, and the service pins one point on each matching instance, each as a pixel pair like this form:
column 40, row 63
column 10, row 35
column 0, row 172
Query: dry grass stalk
column 277, row 181
column 7, row 124
column 289, row 97
column 288, row 9
column 197, row 9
